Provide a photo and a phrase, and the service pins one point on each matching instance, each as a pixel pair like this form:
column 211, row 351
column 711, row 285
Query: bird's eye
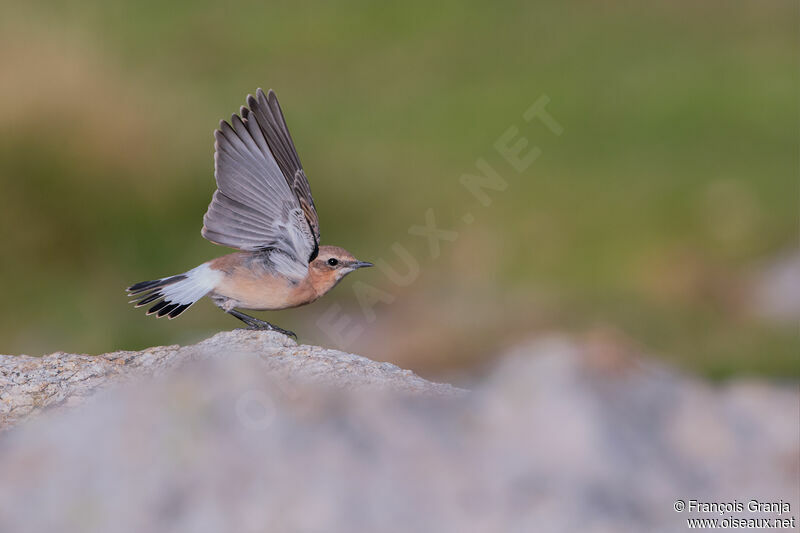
column 333, row 261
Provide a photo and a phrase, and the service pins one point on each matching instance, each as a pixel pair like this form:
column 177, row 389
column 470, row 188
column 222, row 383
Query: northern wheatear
column 263, row 207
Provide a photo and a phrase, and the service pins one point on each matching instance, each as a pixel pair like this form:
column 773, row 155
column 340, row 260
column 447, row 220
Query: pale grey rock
column 30, row 384
column 776, row 289
column 558, row 437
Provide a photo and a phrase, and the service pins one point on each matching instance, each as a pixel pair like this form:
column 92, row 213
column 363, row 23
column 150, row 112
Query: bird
column 263, row 208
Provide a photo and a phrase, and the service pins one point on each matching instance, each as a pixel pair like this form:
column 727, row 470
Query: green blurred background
column 650, row 222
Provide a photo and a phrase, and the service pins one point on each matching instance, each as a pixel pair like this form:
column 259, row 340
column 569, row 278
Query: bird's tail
column 175, row 294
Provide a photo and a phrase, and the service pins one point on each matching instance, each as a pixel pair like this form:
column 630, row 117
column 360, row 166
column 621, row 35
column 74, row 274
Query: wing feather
column 273, row 124
column 255, row 206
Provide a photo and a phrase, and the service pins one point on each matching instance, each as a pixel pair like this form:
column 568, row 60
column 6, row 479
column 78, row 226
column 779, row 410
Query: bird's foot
column 266, row 326
column 259, row 325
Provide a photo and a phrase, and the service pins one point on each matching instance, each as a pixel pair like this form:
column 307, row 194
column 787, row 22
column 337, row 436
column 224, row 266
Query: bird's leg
column 254, row 323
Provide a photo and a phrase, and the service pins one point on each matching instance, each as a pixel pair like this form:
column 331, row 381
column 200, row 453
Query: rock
column 559, row 436
column 776, row 289
column 30, row 384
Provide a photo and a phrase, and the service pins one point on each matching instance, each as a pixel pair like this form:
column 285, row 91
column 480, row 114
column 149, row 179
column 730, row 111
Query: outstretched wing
column 254, row 208
column 270, row 117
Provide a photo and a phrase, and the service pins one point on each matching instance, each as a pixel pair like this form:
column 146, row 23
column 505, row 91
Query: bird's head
column 330, row 266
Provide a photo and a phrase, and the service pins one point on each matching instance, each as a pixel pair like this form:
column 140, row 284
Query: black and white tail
column 175, row 294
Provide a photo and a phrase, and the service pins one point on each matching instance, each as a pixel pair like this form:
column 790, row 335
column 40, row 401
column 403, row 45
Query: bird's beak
column 361, row 264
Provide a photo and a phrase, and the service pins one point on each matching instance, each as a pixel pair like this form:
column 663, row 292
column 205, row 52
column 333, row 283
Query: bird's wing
column 254, row 208
column 270, row 117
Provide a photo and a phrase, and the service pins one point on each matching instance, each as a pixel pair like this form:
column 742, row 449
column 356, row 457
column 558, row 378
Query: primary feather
column 258, row 205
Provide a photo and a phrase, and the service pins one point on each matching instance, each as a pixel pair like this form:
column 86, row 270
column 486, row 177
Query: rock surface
column 776, row 289
column 559, row 436
column 30, row 384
